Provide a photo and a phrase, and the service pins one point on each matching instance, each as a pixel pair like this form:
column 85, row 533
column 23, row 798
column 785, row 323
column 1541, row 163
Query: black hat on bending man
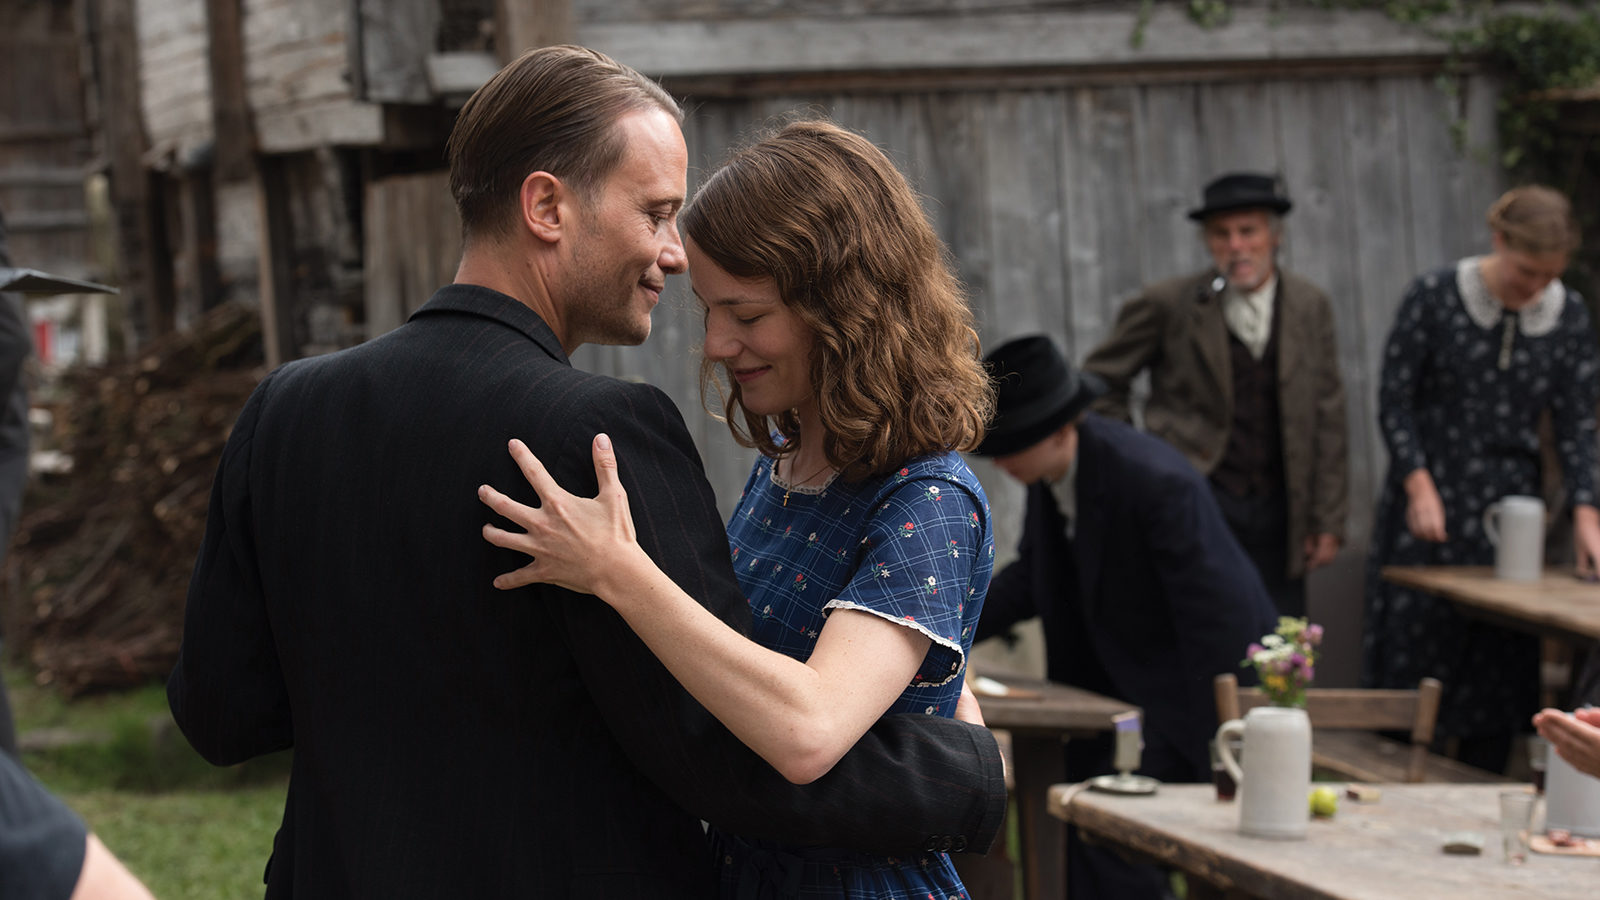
column 1242, row 190
column 1037, row 392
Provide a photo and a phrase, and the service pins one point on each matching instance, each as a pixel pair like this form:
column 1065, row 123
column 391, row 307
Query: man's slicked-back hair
column 552, row 110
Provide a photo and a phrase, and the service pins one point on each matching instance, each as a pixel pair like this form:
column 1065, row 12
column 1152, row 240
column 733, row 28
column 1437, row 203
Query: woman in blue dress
column 1478, row 351
column 843, row 348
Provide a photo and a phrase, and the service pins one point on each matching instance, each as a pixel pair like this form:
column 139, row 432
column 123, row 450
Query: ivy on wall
column 1543, row 55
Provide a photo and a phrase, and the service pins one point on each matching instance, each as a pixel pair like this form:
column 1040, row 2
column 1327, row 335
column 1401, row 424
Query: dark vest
column 1252, row 463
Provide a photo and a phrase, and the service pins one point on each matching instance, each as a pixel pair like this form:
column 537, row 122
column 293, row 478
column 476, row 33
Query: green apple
column 1324, row 801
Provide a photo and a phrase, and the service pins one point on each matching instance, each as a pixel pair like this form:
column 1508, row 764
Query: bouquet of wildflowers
column 1286, row 660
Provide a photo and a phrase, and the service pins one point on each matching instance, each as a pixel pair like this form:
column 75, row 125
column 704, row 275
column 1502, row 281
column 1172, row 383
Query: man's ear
column 541, row 203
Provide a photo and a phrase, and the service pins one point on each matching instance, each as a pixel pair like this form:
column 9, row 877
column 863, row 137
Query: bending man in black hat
column 1143, row 592
column 1244, row 381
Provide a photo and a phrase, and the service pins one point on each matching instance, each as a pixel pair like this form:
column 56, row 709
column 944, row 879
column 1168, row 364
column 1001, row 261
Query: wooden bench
column 1345, row 722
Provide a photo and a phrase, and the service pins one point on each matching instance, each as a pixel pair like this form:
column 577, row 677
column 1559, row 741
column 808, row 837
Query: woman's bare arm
column 799, row 716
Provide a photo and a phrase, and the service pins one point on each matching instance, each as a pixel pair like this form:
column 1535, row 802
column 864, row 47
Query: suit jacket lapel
column 1291, row 324
column 1211, row 332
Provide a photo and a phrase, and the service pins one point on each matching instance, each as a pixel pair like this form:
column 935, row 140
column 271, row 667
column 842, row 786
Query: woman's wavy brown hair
column 896, row 364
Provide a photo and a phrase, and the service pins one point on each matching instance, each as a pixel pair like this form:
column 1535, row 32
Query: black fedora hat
column 1242, row 190
column 1037, row 392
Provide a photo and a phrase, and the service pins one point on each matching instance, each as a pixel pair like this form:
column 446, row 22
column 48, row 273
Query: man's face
column 626, row 242
column 1047, row 460
column 1243, row 244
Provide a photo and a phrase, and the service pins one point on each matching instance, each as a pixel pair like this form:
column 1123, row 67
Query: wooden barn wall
column 44, row 140
column 300, row 79
column 1058, row 203
column 175, row 77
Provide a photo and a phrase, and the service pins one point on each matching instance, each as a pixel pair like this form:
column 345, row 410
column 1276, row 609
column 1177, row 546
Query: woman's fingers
column 533, row 470
column 612, row 493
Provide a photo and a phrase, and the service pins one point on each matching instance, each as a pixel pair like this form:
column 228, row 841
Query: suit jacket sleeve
column 1218, row 602
column 911, row 783
column 1330, row 497
column 227, row 691
column 1010, row 598
column 1133, row 345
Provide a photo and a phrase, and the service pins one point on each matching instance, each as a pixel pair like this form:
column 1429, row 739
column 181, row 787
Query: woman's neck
column 809, row 464
column 1493, row 271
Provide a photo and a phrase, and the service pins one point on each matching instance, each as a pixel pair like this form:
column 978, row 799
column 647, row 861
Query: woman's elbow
column 804, row 761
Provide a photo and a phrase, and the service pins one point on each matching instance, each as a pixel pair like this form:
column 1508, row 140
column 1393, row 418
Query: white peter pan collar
column 1535, row 320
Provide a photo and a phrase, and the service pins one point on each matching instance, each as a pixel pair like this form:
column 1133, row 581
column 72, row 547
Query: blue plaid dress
column 914, row 547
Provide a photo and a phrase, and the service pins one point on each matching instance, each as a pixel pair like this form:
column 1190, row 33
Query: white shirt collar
column 1534, row 320
column 1066, row 493
column 1249, row 314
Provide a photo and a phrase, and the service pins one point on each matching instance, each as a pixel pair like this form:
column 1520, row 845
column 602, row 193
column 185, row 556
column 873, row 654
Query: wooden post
column 524, row 24
column 277, row 275
column 232, row 127
column 146, row 266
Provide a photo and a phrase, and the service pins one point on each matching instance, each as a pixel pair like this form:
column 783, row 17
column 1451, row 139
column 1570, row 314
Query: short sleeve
column 41, row 840
column 916, row 567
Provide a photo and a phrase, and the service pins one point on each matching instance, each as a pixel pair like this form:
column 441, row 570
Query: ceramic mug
column 1274, row 785
column 1515, row 526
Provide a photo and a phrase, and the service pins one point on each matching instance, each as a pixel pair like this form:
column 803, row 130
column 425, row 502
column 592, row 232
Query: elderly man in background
column 1244, row 381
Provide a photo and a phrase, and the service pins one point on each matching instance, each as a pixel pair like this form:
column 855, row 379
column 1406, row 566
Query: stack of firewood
column 95, row 578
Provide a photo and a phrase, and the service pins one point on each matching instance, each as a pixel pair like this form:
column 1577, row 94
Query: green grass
column 186, row 828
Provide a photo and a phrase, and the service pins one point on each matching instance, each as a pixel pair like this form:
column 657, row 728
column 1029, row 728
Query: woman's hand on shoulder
column 574, row 542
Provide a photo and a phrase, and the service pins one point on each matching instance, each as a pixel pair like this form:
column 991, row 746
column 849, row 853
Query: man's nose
column 673, row 260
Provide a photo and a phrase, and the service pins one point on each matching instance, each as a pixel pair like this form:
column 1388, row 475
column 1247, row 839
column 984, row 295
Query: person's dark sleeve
column 1133, row 345
column 1405, row 356
column 1573, row 398
column 227, row 691
column 1217, row 600
column 911, row 784
column 15, row 341
column 42, row 842
column 1010, row 597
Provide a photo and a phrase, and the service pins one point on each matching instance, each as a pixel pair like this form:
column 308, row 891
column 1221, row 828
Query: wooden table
column 1557, row 605
column 1377, row 851
column 1039, row 717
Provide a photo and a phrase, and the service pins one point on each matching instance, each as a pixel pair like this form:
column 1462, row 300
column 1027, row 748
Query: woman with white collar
column 1479, row 352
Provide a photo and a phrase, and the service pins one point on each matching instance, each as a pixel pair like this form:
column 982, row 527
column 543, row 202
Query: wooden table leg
column 1039, row 764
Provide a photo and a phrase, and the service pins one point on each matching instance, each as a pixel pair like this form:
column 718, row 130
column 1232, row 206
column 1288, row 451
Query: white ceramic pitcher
column 1515, row 526
column 1275, row 785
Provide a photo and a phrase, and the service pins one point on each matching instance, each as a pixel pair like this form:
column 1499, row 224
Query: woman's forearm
column 798, row 716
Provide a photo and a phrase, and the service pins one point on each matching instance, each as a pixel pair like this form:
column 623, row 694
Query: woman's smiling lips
column 744, row 375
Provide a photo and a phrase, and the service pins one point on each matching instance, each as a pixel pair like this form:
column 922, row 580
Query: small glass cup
column 1538, row 753
column 1516, row 817
column 1226, row 787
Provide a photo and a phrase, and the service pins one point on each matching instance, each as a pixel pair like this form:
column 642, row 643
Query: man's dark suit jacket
column 452, row 740
column 1150, row 599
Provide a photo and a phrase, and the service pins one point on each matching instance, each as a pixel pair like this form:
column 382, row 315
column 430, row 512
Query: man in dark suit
column 1142, row 590
column 451, row 740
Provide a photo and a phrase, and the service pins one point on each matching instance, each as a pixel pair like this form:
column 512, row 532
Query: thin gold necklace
column 801, row 482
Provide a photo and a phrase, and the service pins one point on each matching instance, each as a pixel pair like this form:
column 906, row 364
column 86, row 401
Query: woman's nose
column 719, row 344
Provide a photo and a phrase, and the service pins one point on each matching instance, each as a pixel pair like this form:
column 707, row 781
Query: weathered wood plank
column 412, row 246
column 523, row 25
column 1170, row 177
column 1100, row 36
column 327, row 123
column 1027, row 287
column 396, row 39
